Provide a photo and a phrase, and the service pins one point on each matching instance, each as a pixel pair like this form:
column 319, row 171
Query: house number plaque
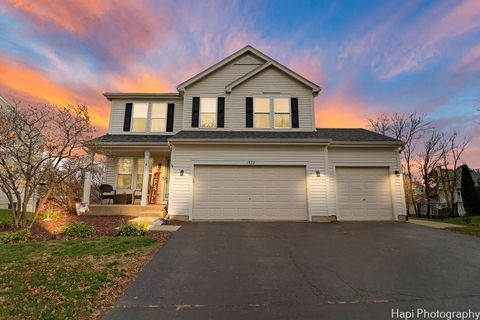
column 251, row 163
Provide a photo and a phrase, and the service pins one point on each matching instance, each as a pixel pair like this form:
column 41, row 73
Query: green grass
column 472, row 228
column 68, row 279
column 7, row 218
column 474, row 221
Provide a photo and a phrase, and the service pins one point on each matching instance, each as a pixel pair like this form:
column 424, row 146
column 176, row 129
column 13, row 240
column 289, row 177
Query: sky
column 369, row 57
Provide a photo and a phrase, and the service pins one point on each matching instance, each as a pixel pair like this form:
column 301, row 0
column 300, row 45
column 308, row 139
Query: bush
column 132, row 229
column 79, row 230
column 15, row 236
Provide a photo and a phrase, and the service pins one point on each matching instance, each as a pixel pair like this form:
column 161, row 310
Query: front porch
column 128, row 210
column 126, row 189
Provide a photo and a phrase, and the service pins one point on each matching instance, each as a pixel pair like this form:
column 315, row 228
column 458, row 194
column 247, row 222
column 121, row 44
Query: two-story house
column 239, row 141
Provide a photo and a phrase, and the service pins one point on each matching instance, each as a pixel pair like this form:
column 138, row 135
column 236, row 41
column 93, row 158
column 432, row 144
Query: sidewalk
column 434, row 224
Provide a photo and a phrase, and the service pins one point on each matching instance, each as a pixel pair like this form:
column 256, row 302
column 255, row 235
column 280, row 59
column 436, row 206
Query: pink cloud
column 470, row 62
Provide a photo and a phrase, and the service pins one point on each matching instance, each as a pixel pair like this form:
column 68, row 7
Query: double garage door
column 280, row 193
column 250, row 192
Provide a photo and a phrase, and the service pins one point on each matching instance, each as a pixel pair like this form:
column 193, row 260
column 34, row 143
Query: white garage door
column 363, row 194
column 250, row 192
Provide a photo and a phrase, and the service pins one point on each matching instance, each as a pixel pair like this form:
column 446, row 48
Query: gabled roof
column 315, row 88
column 268, row 62
column 221, row 63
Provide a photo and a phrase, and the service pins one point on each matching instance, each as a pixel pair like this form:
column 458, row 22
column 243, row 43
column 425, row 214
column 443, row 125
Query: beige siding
column 365, row 157
column 117, row 114
column 3, row 200
column 268, row 81
column 111, row 168
column 184, row 157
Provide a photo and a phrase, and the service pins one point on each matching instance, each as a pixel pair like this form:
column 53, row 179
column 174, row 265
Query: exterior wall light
column 318, row 173
column 181, row 173
column 397, row 173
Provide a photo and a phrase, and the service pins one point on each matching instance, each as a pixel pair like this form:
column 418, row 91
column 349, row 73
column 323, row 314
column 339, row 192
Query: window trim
column 146, row 117
column 124, row 174
column 269, row 112
column 289, row 112
column 272, row 112
column 200, row 112
column 151, row 118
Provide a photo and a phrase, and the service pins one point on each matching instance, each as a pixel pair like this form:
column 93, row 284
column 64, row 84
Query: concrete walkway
column 434, row 224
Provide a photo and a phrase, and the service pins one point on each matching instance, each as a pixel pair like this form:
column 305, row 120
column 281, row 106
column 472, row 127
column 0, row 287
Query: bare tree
column 35, row 143
column 448, row 173
column 408, row 128
column 427, row 161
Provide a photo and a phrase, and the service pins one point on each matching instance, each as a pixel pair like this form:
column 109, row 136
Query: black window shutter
column 170, row 111
column 128, row 117
column 220, row 112
column 249, row 112
column 195, row 111
column 294, row 105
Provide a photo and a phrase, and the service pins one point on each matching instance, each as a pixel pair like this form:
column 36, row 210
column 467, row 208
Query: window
column 208, row 112
column 124, row 173
column 158, row 123
column 261, row 113
column 139, row 117
column 281, row 109
column 140, row 166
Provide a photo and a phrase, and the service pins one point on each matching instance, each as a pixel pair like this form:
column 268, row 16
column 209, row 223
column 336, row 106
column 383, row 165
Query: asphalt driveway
column 305, row 271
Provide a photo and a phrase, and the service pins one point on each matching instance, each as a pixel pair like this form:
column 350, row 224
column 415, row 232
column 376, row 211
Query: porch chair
column 107, row 193
column 137, row 195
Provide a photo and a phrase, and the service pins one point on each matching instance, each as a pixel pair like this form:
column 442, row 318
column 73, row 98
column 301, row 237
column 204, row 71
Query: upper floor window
column 281, row 109
column 158, row 122
column 139, row 117
column 264, row 109
column 261, row 113
column 208, row 112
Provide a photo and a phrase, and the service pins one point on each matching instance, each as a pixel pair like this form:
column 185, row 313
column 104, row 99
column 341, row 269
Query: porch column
column 146, row 171
column 87, row 182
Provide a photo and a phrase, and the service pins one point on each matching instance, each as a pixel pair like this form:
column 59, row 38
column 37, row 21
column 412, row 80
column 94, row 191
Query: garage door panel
column 245, row 192
column 363, row 193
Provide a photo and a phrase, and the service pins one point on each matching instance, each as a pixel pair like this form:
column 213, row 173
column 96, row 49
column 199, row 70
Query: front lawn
column 7, row 218
column 74, row 279
column 472, row 228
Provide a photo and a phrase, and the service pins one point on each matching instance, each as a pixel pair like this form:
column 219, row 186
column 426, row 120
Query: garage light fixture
column 318, row 173
column 397, row 173
column 181, row 173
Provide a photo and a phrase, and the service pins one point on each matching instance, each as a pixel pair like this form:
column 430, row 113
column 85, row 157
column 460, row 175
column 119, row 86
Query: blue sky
column 368, row 56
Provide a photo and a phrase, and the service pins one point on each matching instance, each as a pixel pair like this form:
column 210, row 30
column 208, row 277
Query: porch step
column 153, row 213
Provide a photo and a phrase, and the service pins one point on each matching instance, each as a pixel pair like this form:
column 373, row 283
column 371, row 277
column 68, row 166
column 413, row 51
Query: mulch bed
column 105, row 226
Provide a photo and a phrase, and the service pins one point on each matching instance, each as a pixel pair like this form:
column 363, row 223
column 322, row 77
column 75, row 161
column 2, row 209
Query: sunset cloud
column 367, row 57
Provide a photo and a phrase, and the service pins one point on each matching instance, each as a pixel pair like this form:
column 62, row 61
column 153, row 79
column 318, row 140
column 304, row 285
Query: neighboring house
column 445, row 178
column 238, row 141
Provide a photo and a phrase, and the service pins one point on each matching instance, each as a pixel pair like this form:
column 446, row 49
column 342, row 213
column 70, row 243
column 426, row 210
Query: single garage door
column 363, row 194
column 250, row 192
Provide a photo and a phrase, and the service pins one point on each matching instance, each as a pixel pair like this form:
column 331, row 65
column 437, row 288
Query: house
column 238, row 141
